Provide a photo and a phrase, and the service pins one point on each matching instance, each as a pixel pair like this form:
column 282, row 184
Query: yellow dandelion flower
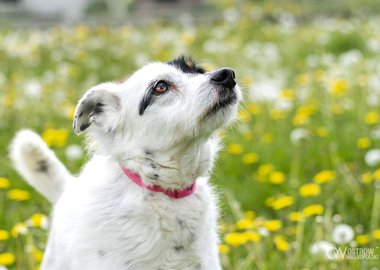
column 376, row 174
column 273, row 225
column 187, row 39
column 288, row 94
column 267, row 138
column 4, row 182
column 18, row 195
column 364, row 142
column 247, row 81
column 314, row 209
column 251, row 236
column 300, row 119
column 322, row 132
column 282, row 245
column 234, row 239
column 244, row 224
column 250, row 158
column 82, row 31
column 48, row 136
column 303, row 79
column 37, row 254
column 224, row 249
column 376, row 234
column 367, row 177
column 235, row 149
column 277, row 114
column 362, row 239
column 39, row 220
column 4, row 235
column 250, row 214
column 253, row 109
column 269, row 202
column 324, row 176
column 318, row 75
column 372, row 118
column 7, row 258
column 61, row 137
column 338, row 87
column 276, row 177
column 337, row 108
column 19, row 228
column 71, row 112
column 265, row 169
column 307, row 110
column 295, row 216
column 310, row 190
column 244, row 116
column 282, row 202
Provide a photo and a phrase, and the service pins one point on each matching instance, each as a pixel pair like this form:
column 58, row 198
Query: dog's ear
column 101, row 106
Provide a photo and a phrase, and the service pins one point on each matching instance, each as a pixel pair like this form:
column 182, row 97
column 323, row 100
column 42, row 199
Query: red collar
column 178, row 193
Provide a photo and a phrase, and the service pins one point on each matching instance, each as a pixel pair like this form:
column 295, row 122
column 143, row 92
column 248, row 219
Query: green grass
column 67, row 62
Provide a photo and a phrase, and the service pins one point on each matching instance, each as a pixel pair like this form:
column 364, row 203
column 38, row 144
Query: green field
column 303, row 159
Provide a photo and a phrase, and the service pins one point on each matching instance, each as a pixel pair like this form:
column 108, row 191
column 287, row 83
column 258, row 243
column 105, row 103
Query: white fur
column 103, row 220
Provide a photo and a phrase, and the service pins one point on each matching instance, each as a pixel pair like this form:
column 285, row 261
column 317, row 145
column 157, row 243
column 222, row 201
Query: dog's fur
column 103, row 220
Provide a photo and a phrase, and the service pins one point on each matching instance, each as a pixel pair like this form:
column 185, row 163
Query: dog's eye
column 161, row 87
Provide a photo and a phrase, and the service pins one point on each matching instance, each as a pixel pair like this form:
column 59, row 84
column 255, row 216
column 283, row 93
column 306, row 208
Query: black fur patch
column 84, row 126
column 178, row 248
column 98, row 108
column 147, row 99
column 43, row 166
column 187, row 65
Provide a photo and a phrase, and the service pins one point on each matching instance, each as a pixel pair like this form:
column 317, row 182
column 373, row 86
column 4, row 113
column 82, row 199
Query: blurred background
column 300, row 171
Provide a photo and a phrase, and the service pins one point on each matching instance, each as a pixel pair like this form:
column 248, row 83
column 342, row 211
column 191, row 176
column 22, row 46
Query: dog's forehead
column 156, row 69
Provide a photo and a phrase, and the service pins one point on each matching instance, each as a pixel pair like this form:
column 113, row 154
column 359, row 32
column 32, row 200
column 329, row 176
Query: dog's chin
column 222, row 104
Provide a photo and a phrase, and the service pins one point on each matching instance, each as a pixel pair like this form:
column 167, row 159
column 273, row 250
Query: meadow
column 298, row 174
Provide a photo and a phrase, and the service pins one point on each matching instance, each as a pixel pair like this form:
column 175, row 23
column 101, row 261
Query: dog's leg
column 38, row 164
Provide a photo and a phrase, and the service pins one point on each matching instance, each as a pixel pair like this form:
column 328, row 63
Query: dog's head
column 164, row 111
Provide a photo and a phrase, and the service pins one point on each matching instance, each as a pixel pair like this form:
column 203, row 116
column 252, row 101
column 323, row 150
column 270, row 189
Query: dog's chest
column 142, row 229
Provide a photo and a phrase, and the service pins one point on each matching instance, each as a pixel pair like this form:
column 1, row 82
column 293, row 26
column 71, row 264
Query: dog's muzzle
column 224, row 77
column 224, row 80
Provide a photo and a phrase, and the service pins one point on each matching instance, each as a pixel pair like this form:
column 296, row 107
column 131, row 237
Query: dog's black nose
column 224, row 77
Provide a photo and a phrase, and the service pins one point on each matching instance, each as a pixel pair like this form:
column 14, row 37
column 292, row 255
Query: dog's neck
column 176, row 168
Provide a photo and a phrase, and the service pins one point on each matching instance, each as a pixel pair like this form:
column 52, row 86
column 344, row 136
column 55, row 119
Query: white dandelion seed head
column 284, row 105
column 263, row 231
column 319, row 219
column 321, row 247
column 359, row 228
column 74, row 152
column 372, row 157
column 298, row 134
column 342, row 234
column 375, row 133
column 353, row 244
column 33, row 89
column 336, row 218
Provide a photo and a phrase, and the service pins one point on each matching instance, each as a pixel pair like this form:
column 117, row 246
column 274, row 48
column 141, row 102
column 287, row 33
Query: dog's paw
column 28, row 149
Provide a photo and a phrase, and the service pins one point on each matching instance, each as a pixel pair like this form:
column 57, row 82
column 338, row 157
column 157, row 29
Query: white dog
column 142, row 201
